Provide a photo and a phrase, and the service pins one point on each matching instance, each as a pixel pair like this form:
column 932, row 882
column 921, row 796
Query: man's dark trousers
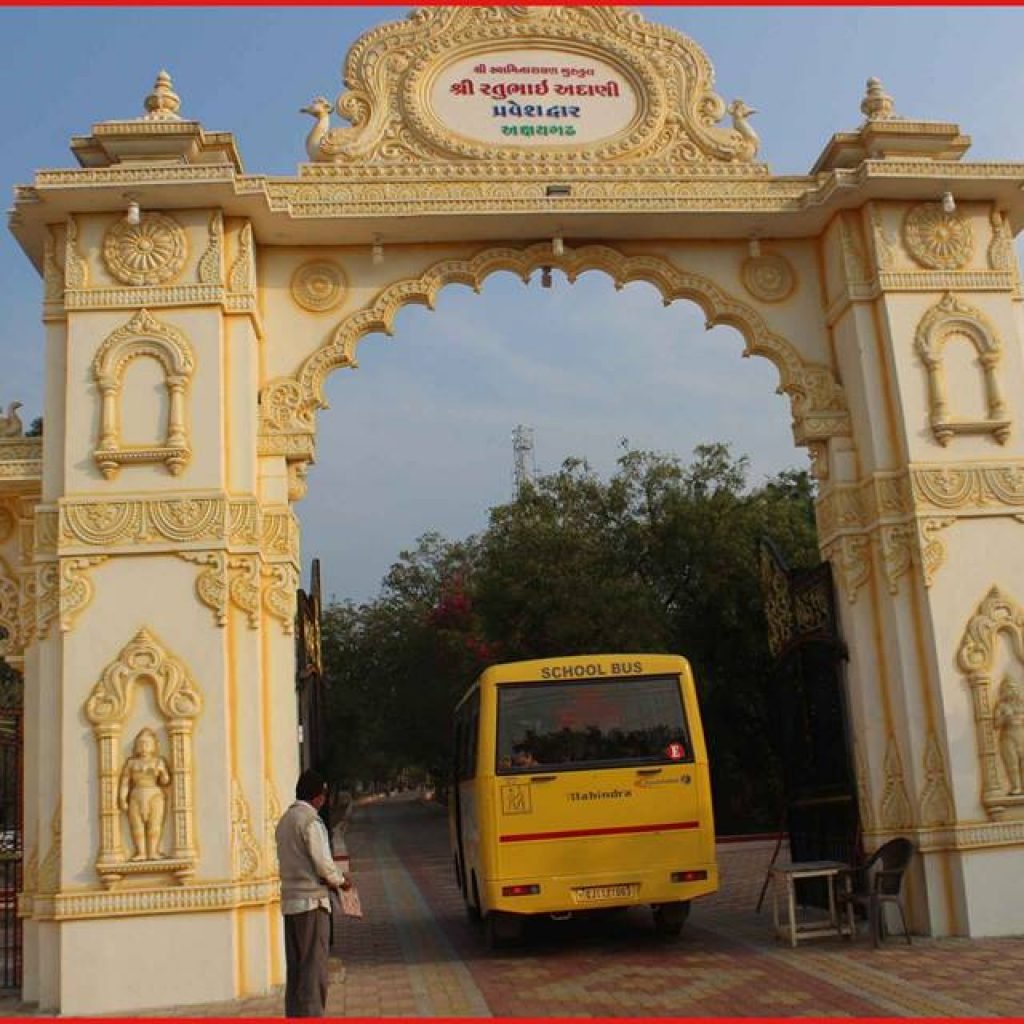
column 306, row 946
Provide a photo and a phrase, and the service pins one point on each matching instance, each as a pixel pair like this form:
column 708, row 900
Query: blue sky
column 419, row 437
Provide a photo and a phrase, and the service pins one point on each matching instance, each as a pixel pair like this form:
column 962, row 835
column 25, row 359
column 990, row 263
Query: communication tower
column 523, row 467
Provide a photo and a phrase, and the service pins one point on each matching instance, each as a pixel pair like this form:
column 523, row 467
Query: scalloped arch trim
column 818, row 404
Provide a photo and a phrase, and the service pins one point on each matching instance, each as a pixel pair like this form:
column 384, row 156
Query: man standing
column 308, row 874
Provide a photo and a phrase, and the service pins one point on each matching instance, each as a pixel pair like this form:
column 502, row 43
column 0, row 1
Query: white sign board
column 533, row 98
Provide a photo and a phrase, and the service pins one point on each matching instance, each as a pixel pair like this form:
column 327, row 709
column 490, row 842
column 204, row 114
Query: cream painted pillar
column 923, row 528
column 161, row 597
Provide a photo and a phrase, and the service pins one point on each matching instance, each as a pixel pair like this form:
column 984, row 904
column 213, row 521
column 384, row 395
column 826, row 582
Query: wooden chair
column 877, row 882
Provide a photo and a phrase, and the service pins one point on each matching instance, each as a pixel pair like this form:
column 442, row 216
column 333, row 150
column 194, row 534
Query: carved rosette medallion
column 318, row 286
column 768, row 277
column 936, row 239
column 150, row 252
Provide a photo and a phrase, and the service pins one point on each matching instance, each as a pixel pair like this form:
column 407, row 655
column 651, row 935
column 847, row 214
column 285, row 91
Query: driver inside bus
column 522, row 757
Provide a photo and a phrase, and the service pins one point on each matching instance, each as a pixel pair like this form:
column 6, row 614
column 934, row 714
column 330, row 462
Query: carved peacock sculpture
column 346, row 142
column 740, row 112
column 10, row 424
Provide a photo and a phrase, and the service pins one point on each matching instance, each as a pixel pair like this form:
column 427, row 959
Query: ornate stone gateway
column 149, row 551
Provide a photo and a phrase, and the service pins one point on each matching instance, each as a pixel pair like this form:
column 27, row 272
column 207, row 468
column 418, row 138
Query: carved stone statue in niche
column 1009, row 721
column 144, row 778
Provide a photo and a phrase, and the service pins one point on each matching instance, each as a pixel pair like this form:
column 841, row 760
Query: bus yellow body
column 581, row 783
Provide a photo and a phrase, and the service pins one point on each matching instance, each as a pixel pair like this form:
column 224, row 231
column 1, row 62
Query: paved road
column 416, row 954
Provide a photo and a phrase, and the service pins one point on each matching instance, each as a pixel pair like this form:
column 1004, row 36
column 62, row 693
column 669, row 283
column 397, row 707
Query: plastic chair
column 878, row 882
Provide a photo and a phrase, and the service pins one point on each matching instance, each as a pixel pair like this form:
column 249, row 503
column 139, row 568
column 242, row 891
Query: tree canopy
column 660, row 557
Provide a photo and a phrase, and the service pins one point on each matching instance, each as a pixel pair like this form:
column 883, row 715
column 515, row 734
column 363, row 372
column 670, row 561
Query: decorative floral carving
column 280, row 533
column 245, row 522
column 768, row 277
column 75, row 588
column 936, row 239
column 10, row 621
column 212, row 582
column 49, row 869
column 885, row 247
column 208, row 270
column 270, row 819
column 194, row 898
column 897, row 554
column 854, row 266
column 297, row 485
column 933, row 552
column 46, row 598
column 242, row 277
column 279, row 595
column 851, row 555
column 245, row 850
column 76, row 270
column 134, row 521
column 53, row 276
column 150, row 252
column 896, row 812
column 1000, row 249
column 936, row 797
column 318, row 286
column 244, row 586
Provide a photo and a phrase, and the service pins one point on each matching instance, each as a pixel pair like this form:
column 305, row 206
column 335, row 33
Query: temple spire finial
column 163, row 103
column 877, row 105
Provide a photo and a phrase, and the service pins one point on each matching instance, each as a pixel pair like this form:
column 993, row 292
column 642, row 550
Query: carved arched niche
column 999, row 730
column 143, row 337
column 952, row 319
column 144, row 660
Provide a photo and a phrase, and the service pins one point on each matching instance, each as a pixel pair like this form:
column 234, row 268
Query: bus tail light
column 520, row 890
column 688, row 876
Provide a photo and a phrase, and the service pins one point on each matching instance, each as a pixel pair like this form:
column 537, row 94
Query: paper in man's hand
column 346, row 901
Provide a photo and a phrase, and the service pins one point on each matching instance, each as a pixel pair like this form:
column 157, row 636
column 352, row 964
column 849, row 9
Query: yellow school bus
column 581, row 783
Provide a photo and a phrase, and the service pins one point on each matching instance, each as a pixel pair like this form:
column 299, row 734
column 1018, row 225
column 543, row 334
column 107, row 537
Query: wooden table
column 784, row 878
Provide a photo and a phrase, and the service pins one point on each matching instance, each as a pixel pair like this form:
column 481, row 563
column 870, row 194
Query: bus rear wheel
column 473, row 903
column 669, row 918
column 501, row 929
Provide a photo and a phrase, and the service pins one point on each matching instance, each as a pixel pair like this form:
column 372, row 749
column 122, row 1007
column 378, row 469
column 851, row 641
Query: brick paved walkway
column 415, row 954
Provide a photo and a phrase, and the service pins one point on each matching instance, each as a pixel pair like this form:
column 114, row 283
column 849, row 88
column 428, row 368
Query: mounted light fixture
column 948, row 203
column 134, row 213
column 557, row 246
column 545, row 277
column 754, row 247
column 377, row 252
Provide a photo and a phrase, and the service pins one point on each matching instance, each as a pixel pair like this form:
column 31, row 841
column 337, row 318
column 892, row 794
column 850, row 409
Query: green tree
column 660, row 557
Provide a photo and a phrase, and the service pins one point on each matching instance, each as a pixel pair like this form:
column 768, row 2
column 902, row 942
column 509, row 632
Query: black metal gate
column 820, row 813
column 10, row 825
column 309, row 674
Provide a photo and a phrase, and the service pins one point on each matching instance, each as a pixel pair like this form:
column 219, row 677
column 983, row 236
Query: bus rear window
column 587, row 724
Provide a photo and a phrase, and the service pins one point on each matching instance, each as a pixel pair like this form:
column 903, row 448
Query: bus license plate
column 600, row 893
